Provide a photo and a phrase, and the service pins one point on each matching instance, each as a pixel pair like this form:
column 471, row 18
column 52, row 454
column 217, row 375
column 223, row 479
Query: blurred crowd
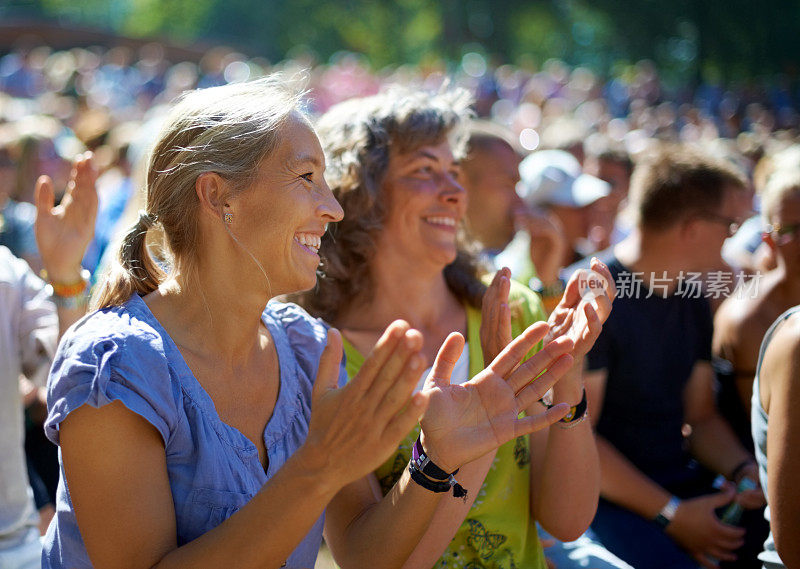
column 573, row 139
column 55, row 104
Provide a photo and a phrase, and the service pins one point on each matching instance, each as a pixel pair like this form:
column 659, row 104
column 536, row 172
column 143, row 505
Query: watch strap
column 576, row 412
column 667, row 513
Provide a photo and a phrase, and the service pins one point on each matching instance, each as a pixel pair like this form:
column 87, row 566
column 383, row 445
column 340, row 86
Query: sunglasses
column 782, row 234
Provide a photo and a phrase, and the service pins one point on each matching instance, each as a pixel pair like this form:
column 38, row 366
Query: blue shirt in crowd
column 123, row 353
column 16, row 228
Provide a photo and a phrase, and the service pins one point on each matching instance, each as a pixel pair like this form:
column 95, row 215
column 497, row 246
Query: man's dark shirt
column 649, row 347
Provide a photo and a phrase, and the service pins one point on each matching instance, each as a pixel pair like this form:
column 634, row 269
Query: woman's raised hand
column 464, row 422
column 63, row 232
column 495, row 330
column 583, row 308
column 355, row 428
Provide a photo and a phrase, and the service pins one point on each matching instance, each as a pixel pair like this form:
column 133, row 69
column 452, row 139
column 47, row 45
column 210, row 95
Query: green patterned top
column 499, row 532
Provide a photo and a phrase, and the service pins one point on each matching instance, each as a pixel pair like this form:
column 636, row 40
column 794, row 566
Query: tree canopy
column 689, row 39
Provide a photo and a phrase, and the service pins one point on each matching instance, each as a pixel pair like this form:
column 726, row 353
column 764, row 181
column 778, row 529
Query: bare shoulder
column 739, row 327
column 782, row 357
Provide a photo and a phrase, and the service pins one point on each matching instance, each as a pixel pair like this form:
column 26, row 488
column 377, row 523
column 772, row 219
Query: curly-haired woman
column 399, row 253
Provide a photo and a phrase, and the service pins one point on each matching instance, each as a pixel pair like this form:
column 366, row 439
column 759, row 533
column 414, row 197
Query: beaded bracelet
column 70, row 296
column 67, row 290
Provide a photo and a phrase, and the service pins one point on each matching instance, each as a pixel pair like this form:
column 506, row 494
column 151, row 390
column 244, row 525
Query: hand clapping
column 464, row 422
column 583, row 308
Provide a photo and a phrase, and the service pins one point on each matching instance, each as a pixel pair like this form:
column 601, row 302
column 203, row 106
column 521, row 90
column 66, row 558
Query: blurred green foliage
column 719, row 39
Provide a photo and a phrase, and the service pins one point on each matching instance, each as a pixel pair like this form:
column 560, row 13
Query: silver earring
column 228, row 217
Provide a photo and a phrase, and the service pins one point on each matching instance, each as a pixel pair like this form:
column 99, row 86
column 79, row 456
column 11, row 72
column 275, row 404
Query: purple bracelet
column 426, row 465
column 421, row 463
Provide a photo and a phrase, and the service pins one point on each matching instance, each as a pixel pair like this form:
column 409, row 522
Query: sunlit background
column 689, row 40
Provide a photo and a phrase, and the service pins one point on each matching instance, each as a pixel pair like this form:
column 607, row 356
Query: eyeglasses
column 782, row 234
column 731, row 223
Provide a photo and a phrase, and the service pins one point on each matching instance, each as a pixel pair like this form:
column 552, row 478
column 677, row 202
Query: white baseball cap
column 554, row 177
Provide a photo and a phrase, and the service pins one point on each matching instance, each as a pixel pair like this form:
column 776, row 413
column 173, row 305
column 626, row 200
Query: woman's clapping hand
column 495, row 330
column 463, row 422
column 584, row 307
column 355, row 428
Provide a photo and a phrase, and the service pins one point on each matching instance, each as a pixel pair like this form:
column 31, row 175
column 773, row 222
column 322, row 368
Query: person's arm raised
column 495, row 334
column 364, row 529
column 63, row 232
column 565, row 470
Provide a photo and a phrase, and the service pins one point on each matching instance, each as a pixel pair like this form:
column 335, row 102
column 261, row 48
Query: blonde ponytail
column 135, row 270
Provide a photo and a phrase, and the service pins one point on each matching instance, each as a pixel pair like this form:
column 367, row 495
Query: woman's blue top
column 123, row 353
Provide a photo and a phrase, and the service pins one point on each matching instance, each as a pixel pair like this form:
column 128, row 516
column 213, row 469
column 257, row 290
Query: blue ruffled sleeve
column 112, row 356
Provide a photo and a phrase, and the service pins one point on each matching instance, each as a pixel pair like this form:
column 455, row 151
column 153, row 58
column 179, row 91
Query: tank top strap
column 771, row 332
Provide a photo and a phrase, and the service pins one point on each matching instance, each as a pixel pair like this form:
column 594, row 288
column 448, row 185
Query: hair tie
column 146, row 220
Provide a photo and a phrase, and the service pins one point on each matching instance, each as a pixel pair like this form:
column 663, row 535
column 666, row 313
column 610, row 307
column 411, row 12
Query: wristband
column 664, row 517
column 425, row 473
column 573, row 423
column 77, row 302
column 69, row 290
column 576, row 413
column 432, row 485
column 437, row 486
column 425, row 465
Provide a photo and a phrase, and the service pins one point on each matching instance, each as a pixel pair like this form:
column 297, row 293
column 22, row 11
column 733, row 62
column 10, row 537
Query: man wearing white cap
column 552, row 180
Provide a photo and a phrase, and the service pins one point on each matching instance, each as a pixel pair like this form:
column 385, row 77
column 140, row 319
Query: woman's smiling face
column 425, row 205
column 282, row 216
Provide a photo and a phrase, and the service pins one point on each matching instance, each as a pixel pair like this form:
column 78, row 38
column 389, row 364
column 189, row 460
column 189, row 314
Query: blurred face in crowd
column 615, row 173
column 490, row 176
column 713, row 228
column 425, row 206
column 604, row 211
column 281, row 218
column 785, row 239
column 575, row 221
column 40, row 157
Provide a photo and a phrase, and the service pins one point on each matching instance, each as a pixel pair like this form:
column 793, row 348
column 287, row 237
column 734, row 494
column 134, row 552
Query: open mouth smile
column 309, row 242
column 441, row 221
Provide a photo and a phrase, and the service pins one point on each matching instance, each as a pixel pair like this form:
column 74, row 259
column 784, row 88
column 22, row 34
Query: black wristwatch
column 576, row 412
column 664, row 517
